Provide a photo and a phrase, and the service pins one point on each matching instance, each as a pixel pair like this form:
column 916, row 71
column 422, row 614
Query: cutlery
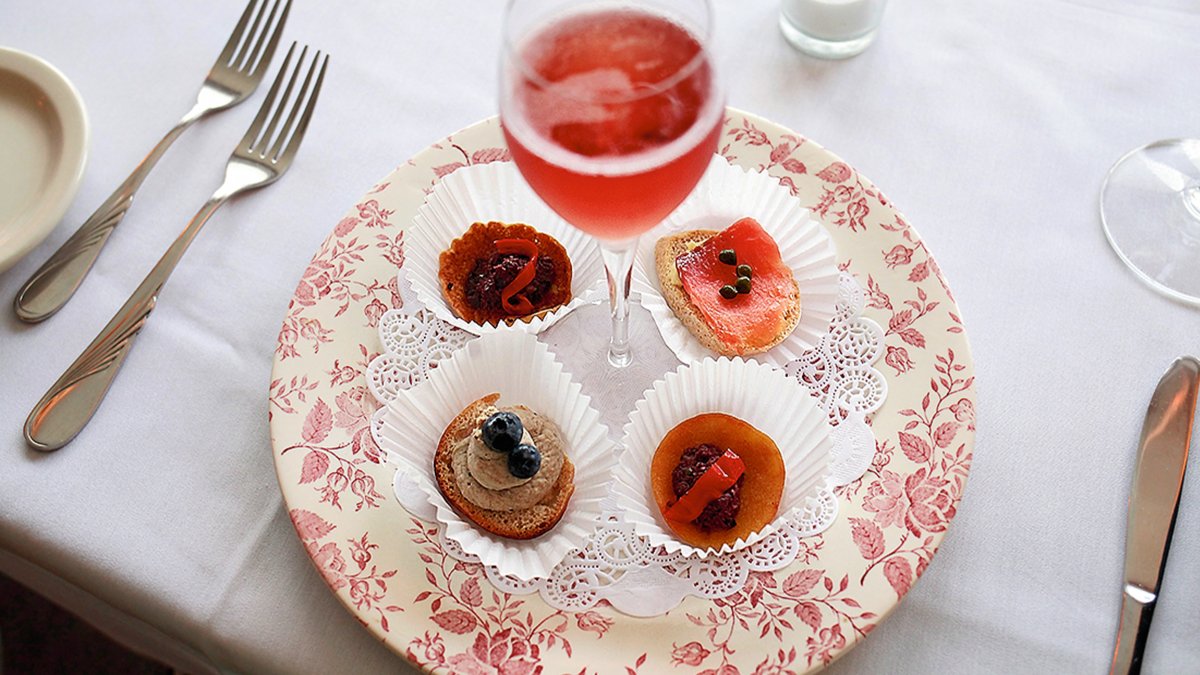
column 234, row 76
column 1153, row 503
column 260, row 158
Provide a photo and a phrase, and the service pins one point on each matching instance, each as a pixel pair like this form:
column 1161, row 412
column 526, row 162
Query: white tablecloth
column 989, row 123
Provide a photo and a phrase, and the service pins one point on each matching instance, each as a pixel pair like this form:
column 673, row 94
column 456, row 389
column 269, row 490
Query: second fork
column 260, row 158
column 234, row 76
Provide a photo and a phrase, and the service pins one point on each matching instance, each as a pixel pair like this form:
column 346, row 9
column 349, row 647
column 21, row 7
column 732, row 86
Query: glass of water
column 831, row 29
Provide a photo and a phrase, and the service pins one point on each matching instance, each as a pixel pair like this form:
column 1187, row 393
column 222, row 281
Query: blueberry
column 524, row 461
column 502, row 431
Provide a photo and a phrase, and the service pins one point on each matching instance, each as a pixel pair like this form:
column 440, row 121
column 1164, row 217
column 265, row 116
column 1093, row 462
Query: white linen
column 989, row 123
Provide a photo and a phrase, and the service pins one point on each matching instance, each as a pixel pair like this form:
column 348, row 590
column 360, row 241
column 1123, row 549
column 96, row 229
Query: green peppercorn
column 728, row 292
column 743, row 285
column 728, row 256
column 745, row 271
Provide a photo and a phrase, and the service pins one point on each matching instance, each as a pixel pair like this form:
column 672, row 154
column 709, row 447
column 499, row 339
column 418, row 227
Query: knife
column 1153, row 503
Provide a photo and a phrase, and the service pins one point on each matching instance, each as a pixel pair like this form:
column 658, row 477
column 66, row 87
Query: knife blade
column 1153, row 503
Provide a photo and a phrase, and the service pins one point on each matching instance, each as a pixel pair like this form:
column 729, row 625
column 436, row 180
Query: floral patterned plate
column 443, row 615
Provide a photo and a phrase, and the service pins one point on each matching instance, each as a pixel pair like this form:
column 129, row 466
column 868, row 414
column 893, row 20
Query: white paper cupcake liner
column 753, row 392
column 483, row 193
column 521, row 369
column 726, row 194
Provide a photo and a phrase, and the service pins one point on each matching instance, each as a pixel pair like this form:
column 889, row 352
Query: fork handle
column 58, row 278
column 72, row 400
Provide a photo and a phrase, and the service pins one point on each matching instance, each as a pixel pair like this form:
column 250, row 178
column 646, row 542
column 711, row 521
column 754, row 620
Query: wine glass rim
column 642, row 90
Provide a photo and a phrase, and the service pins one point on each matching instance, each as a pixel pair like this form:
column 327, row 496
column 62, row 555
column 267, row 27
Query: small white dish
column 753, row 392
column 524, row 372
column 44, row 136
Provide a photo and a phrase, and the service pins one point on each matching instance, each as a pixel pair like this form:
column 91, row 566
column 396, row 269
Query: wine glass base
column 580, row 341
column 619, row 359
column 1150, row 211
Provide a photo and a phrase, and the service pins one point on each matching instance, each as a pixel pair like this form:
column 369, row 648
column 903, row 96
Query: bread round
column 670, row 247
column 522, row 524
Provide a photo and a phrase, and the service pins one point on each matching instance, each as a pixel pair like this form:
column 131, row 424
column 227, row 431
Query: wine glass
column 611, row 111
column 1150, row 209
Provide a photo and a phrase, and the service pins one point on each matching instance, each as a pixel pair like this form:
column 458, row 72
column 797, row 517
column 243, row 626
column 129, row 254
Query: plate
column 44, row 133
column 392, row 574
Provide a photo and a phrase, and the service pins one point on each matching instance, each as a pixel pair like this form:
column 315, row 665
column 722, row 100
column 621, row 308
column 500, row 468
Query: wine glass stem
column 618, row 266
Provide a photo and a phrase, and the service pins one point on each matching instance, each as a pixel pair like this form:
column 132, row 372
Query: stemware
column 1150, row 210
column 612, row 112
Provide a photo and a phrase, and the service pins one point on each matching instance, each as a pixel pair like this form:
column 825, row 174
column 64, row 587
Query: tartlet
column 744, row 504
column 730, row 289
column 481, row 273
column 530, row 506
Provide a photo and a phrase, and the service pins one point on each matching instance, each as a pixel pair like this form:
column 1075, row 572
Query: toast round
column 523, row 524
column 456, row 262
column 670, row 247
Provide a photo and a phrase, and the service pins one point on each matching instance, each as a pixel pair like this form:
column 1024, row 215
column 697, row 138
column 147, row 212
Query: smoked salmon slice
column 751, row 320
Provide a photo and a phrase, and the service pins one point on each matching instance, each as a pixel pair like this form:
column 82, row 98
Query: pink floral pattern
column 443, row 615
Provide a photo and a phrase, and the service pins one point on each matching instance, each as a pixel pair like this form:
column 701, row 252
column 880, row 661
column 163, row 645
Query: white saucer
column 44, row 133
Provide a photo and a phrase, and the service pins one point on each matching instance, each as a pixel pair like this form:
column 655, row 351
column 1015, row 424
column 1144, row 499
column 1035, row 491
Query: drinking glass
column 1150, row 210
column 611, row 111
column 831, row 29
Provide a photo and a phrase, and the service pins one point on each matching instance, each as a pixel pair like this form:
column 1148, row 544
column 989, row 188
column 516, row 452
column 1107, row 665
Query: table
column 990, row 124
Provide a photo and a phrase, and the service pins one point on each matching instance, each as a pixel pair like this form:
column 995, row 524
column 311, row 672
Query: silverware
column 260, row 158
column 1153, row 503
column 234, row 76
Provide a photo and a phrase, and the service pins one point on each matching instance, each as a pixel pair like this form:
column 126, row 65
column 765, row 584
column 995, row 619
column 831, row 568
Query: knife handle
column 1137, row 605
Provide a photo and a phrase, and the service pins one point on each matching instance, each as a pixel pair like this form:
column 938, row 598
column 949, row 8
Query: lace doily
column 617, row 565
column 840, row 373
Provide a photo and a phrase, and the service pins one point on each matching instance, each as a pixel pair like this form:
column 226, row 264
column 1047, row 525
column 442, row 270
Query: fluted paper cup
column 724, row 195
column 483, row 193
column 754, row 392
column 522, row 370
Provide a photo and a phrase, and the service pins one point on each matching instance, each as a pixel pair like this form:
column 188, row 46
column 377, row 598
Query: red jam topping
column 720, row 476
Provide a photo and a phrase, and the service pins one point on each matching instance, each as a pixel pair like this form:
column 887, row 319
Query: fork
column 260, row 158
column 234, row 76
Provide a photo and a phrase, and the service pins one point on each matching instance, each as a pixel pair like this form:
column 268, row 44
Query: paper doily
column 617, row 565
column 840, row 372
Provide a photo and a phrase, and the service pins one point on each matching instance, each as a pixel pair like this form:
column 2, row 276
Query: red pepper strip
column 519, row 246
column 513, row 303
column 517, row 304
column 719, row 477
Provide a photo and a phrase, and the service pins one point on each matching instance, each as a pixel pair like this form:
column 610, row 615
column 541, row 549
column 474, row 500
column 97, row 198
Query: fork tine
column 298, row 135
column 236, row 36
column 242, row 51
column 257, row 125
column 255, row 65
column 297, row 105
column 261, row 145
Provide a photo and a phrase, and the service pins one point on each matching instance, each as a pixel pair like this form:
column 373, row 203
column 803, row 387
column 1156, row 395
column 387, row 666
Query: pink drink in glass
column 612, row 118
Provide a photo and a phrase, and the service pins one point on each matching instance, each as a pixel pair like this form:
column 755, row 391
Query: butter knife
column 1153, row 503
